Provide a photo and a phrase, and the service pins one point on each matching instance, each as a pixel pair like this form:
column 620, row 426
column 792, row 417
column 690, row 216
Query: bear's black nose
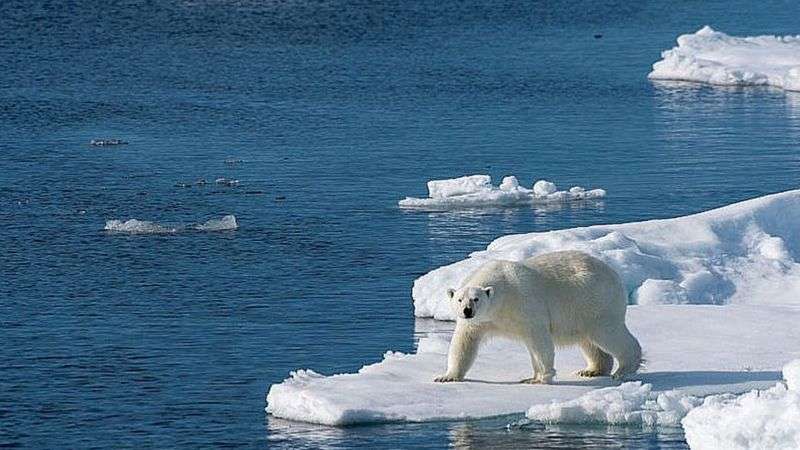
column 468, row 313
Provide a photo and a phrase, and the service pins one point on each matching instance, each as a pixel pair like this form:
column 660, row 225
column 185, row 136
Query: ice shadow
column 664, row 381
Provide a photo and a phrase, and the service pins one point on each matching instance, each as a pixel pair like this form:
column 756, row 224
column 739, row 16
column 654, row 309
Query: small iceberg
column 713, row 57
column 103, row 142
column 475, row 191
column 135, row 226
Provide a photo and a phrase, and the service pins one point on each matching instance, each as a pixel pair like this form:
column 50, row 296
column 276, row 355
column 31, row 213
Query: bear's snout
column 468, row 312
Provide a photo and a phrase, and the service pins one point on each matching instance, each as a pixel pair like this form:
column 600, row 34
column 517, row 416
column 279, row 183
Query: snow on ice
column 741, row 253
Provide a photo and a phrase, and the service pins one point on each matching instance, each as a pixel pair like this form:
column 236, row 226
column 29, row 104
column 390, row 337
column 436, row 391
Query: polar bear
column 555, row 299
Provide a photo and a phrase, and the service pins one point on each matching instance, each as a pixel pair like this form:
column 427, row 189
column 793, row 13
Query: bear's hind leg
column 598, row 362
column 621, row 344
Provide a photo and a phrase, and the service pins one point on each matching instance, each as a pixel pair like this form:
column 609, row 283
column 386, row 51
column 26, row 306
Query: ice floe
column 713, row 57
column 768, row 419
column 692, row 351
column 475, row 191
column 135, row 226
column 742, row 253
column 739, row 260
column 632, row 403
column 763, row 419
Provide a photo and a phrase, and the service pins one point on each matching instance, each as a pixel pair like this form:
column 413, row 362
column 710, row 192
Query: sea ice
column 740, row 260
column 632, row 403
column 713, row 57
column 226, row 182
column 768, row 419
column 459, row 186
column 225, row 223
column 763, row 419
column 742, row 253
column 476, row 191
column 691, row 350
column 102, row 142
column 543, row 188
column 135, row 226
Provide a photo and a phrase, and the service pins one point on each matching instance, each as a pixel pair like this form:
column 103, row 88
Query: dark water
column 337, row 110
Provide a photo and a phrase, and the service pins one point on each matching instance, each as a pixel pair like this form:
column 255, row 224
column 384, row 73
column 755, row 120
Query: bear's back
column 579, row 288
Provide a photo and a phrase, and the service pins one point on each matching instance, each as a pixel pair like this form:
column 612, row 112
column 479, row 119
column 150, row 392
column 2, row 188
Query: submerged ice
column 225, row 223
column 713, row 57
column 474, row 191
column 135, row 226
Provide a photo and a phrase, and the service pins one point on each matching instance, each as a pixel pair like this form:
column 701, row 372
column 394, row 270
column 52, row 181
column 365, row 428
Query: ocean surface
column 327, row 113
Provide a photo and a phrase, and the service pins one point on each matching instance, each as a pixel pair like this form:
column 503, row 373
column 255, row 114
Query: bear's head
column 471, row 302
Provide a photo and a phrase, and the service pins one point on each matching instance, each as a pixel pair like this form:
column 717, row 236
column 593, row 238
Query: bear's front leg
column 462, row 352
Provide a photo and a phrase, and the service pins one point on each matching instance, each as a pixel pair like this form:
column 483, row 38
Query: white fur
column 560, row 298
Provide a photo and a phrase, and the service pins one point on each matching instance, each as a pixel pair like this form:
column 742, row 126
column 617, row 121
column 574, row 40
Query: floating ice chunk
column 768, row 419
column 225, row 223
column 543, row 187
column 102, row 142
column 712, row 57
column 459, row 186
column 227, row 182
column 476, row 191
column 135, row 226
column 632, row 403
column 743, row 253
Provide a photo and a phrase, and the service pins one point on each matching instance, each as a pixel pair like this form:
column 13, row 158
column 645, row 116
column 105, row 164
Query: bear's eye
column 459, row 300
column 475, row 300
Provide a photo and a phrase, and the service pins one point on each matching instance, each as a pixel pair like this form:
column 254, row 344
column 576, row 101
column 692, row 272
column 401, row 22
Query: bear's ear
column 489, row 291
column 451, row 293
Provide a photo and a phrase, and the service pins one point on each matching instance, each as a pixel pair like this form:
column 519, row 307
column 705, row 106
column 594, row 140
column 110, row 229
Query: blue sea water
column 328, row 112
